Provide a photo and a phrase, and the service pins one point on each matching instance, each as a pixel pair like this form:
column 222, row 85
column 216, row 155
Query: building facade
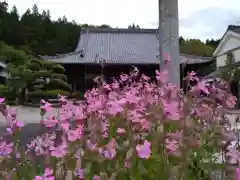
column 114, row 51
column 230, row 43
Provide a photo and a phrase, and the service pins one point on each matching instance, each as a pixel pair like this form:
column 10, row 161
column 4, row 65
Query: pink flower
column 59, row 151
column 121, row 131
column 145, row 78
column 2, row 100
column 46, row 106
column 48, row 175
column 107, row 87
column 62, row 98
column 79, row 173
column 114, row 108
column 202, row 85
column 144, row 150
column 172, row 110
column 124, row 77
column 5, row 149
column 79, row 113
column 74, row 135
column 96, row 177
column 237, row 173
column 171, row 145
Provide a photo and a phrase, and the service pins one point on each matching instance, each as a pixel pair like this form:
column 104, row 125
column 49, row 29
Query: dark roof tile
column 119, row 46
column 234, row 28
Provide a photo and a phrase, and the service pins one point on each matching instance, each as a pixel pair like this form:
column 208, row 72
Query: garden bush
column 130, row 129
column 52, row 94
column 58, row 84
column 59, row 76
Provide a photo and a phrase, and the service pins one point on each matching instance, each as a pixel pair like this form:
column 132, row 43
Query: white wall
column 231, row 43
column 236, row 54
column 221, row 60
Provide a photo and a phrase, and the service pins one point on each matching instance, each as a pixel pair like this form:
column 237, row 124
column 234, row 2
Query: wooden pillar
column 169, row 37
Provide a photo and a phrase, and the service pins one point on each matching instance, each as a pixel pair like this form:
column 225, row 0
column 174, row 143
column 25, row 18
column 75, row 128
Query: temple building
column 111, row 52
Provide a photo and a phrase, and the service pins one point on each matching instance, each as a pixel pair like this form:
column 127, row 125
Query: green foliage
column 59, row 76
column 52, row 94
column 36, row 33
column 58, row 83
column 57, row 68
column 3, row 90
column 26, row 71
column 195, row 47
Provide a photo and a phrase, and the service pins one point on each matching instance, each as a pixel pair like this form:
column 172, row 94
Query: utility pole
column 169, row 38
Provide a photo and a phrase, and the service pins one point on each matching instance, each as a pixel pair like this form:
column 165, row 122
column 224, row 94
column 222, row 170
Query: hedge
column 58, row 84
column 59, row 76
column 46, row 94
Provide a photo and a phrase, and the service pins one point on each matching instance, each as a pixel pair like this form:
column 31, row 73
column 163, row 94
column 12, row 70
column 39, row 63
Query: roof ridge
column 234, row 28
column 117, row 30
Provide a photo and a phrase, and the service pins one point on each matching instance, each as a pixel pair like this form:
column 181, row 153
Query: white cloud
column 122, row 13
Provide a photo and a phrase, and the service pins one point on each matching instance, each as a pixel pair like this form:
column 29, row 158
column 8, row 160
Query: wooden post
column 169, row 38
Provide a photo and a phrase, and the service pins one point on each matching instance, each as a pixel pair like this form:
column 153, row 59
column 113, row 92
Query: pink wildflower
column 145, row 78
column 109, row 150
column 237, row 173
column 172, row 110
column 79, row 173
column 2, row 100
column 59, row 151
column 48, row 175
column 124, row 77
column 144, row 150
column 121, row 131
column 5, row 149
column 202, row 86
column 62, row 98
column 79, row 113
column 171, row 145
column 76, row 134
column 96, row 177
column 127, row 164
column 46, row 105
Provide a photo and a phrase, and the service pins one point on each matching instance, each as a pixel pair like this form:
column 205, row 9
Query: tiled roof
column 234, row 28
column 118, row 46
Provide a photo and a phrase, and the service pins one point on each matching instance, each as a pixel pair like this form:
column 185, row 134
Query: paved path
column 31, row 117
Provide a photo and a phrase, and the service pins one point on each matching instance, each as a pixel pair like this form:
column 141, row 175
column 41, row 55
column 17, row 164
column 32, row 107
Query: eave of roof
column 119, row 46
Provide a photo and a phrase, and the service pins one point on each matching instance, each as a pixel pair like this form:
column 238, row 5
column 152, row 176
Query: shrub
column 57, row 68
column 59, row 76
column 130, row 129
column 3, row 90
column 58, row 84
column 77, row 95
column 52, row 94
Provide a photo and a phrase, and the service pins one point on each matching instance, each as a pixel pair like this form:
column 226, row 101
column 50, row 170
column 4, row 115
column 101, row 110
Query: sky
column 198, row 19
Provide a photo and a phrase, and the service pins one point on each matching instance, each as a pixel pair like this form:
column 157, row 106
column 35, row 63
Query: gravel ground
column 31, row 117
